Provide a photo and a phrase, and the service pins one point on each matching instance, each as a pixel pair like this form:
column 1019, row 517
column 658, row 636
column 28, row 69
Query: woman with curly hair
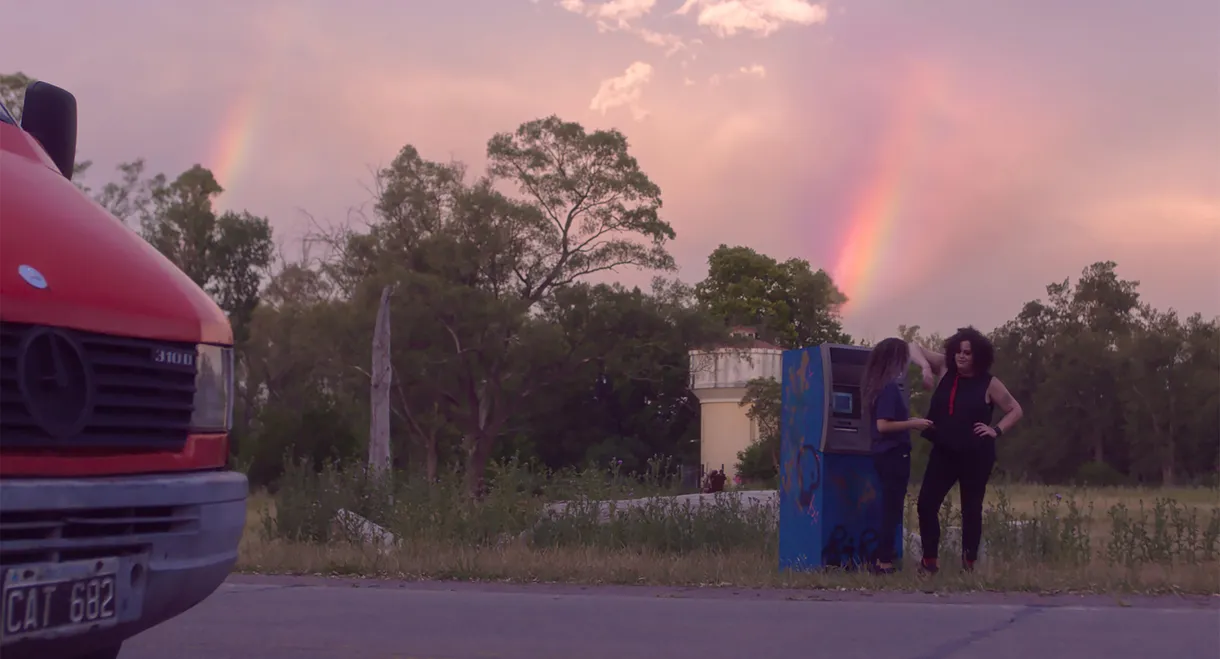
column 963, row 437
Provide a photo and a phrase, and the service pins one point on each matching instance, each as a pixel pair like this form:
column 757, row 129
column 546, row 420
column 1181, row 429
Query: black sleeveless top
column 957, row 404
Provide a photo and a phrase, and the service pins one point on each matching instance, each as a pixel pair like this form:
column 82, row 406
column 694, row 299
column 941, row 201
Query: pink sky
column 944, row 160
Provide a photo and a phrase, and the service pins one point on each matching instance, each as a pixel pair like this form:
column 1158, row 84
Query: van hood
column 96, row 274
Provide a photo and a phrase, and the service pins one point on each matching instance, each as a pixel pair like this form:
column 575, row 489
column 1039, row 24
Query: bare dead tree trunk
column 430, row 456
column 1168, row 473
column 379, row 424
column 477, row 454
column 1169, row 457
column 1163, row 436
column 431, row 463
column 477, row 443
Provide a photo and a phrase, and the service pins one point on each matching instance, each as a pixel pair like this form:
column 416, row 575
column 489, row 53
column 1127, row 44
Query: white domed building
column 718, row 377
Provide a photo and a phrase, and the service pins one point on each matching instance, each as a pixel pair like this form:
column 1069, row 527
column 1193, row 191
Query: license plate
column 56, row 599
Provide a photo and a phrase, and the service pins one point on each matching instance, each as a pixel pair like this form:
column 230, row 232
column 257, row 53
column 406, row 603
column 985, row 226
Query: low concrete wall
column 747, row 498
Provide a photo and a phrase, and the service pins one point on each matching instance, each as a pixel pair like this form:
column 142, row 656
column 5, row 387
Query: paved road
column 278, row 618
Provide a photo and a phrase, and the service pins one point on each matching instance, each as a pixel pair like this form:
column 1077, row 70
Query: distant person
column 715, row 481
column 963, row 437
column 891, row 439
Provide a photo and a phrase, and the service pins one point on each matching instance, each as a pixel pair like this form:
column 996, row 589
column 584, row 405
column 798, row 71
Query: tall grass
column 1081, row 536
column 307, row 500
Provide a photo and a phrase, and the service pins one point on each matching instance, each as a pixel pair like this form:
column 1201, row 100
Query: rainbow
column 233, row 144
column 230, row 158
column 870, row 240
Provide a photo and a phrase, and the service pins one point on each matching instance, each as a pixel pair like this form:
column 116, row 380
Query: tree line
column 504, row 345
column 1114, row 390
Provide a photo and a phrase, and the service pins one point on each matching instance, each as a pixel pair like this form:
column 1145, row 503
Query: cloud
column 1147, row 218
column 621, row 12
column 618, row 15
column 763, row 17
column 754, row 70
column 624, row 90
column 672, row 43
column 757, row 70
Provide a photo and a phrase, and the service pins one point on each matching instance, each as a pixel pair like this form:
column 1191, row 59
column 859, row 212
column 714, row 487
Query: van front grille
column 81, row 389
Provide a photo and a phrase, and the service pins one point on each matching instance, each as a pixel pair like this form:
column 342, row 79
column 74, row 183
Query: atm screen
column 843, row 404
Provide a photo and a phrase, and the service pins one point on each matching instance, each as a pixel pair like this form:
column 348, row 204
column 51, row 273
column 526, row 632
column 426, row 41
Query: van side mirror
column 49, row 114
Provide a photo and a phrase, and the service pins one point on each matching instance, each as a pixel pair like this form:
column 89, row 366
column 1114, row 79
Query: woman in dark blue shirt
column 891, row 428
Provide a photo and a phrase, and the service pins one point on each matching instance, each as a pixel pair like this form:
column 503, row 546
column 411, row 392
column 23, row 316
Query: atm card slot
column 846, row 428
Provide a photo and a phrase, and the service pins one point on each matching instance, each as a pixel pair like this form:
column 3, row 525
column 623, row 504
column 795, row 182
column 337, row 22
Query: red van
column 118, row 509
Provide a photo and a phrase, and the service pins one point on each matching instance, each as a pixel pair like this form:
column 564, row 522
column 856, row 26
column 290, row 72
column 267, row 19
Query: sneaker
column 928, row 566
column 967, row 565
column 877, row 569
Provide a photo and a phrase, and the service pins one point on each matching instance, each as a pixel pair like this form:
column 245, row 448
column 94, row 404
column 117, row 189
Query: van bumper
column 175, row 538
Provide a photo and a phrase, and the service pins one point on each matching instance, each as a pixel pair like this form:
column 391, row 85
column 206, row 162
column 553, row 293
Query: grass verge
column 1111, row 540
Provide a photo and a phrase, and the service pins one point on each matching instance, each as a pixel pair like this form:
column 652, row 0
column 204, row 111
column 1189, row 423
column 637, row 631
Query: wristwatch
column 997, row 430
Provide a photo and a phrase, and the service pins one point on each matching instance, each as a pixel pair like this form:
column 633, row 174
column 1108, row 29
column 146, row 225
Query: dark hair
column 981, row 347
column 886, row 363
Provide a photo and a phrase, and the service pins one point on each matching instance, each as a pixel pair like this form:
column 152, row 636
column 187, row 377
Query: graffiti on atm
column 796, row 382
column 855, row 490
column 845, row 550
column 810, row 470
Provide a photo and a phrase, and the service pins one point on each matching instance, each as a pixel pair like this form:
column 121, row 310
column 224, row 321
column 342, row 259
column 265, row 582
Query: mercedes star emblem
column 55, row 381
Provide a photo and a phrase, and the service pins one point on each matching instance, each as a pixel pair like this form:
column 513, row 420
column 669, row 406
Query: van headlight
column 213, row 389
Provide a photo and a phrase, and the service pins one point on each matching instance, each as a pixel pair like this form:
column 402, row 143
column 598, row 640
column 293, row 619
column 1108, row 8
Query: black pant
column 971, row 468
column 894, row 473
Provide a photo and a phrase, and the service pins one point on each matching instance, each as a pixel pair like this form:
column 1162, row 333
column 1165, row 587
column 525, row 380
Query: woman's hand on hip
column 984, row 430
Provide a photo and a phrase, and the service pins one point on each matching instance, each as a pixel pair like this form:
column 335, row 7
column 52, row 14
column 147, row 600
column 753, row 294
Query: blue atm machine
column 829, row 508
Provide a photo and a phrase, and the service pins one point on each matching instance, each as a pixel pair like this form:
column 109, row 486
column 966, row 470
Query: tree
column 303, row 394
column 476, row 262
column 594, row 210
column 1170, row 403
column 226, row 255
column 763, row 400
column 619, row 374
column 12, row 92
column 1080, row 381
column 792, row 305
column 130, row 198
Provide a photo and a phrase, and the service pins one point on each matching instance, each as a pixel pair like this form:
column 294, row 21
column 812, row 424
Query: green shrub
column 756, row 463
column 1099, row 474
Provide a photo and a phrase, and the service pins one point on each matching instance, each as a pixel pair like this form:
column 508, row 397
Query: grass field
column 1119, row 540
